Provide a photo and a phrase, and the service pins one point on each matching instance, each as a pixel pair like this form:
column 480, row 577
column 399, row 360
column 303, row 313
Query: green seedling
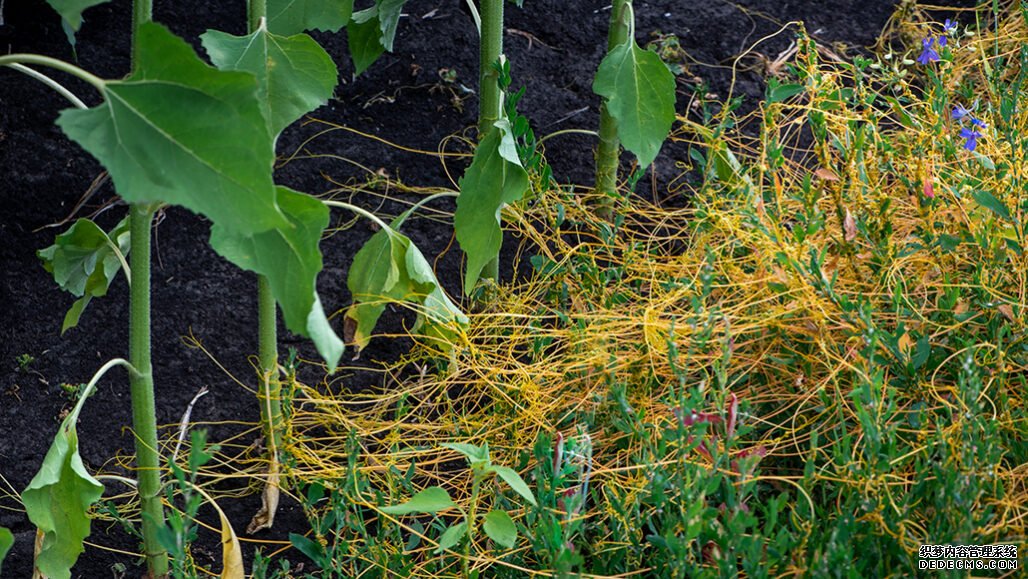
column 24, row 362
column 497, row 524
column 72, row 391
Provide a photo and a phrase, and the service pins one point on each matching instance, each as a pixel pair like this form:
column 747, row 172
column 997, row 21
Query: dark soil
column 554, row 46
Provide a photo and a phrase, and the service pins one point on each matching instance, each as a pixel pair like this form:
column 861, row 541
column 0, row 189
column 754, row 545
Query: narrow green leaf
column 57, row 501
column 291, row 260
column 71, row 13
column 83, row 262
column 451, row 537
column 294, row 16
column 472, row 452
column 512, row 478
column 311, row 548
column 990, row 202
column 294, row 74
column 390, row 268
column 6, row 542
column 781, row 92
column 500, row 528
column 364, row 38
column 430, row 500
column 181, row 132
column 640, row 95
column 494, row 179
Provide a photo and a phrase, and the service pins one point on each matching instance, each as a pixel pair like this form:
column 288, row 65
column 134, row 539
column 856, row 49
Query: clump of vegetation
column 815, row 367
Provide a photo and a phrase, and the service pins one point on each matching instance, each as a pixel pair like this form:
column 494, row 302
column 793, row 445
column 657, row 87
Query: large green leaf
column 294, row 74
column 57, row 501
column 83, row 262
column 430, row 500
column 6, row 542
column 291, row 260
column 179, row 131
column 494, row 179
column 500, row 527
column 294, row 16
column 71, row 13
column 390, row 268
column 640, row 95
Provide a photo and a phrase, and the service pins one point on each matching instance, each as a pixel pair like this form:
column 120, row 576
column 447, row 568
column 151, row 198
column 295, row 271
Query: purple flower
column 977, row 123
column 949, row 26
column 972, row 135
column 960, row 112
column 928, row 54
column 942, row 41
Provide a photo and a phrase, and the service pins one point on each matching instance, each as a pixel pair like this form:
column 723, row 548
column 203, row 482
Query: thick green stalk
column 256, row 9
column 608, row 154
column 142, row 12
column 144, row 420
column 490, row 107
column 490, row 48
column 144, row 416
column 270, row 395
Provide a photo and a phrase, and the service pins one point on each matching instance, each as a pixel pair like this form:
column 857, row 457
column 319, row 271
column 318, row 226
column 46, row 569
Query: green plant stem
column 359, row 211
column 490, row 48
column 144, row 419
column 567, row 132
column 403, row 216
column 142, row 12
column 476, row 485
column 608, row 153
column 50, row 83
column 88, row 390
column 270, row 394
column 38, row 59
column 256, row 10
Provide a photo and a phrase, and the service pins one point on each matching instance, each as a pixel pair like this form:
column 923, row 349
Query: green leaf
column 294, row 16
column 291, row 260
column 494, row 179
column 390, row 268
column 71, row 13
column 512, row 478
column 179, row 131
column 6, row 542
column 430, row 500
column 780, row 92
column 309, row 547
column 984, row 161
column 57, row 501
column 388, row 19
column 990, row 202
column 364, row 35
column 451, row 537
column 472, row 452
column 83, row 262
column 640, row 95
column 500, row 528
column 294, row 74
